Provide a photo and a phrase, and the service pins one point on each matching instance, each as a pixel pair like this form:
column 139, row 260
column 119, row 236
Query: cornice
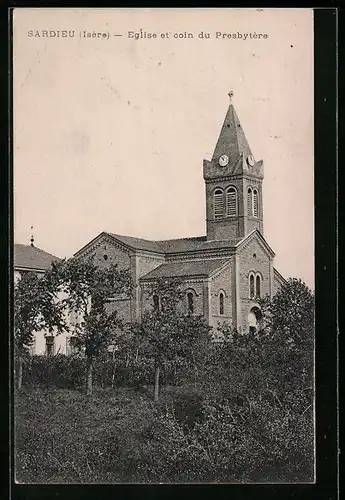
column 201, row 255
column 229, row 178
column 185, row 279
column 29, row 269
column 149, row 257
column 227, row 218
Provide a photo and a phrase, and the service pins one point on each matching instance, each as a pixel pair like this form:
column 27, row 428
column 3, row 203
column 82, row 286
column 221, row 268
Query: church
column 223, row 272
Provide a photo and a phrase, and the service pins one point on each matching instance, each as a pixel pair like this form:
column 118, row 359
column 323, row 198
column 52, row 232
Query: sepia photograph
column 163, row 256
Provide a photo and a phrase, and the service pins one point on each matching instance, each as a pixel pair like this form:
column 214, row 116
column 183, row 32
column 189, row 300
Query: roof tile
column 174, row 246
column 202, row 268
column 31, row 257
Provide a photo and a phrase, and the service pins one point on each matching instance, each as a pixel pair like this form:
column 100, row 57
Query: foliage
column 229, row 443
column 36, row 307
column 54, row 371
column 165, row 333
column 290, row 313
column 120, row 436
column 241, row 410
column 63, row 437
column 88, row 289
column 108, row 371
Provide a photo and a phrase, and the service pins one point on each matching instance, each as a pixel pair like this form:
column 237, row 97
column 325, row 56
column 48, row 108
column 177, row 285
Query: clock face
column 250, row 160
column 223, row 160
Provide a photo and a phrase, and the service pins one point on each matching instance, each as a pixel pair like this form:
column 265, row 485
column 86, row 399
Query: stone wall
column 221, row 282
column 194, row 286
column 252, row 258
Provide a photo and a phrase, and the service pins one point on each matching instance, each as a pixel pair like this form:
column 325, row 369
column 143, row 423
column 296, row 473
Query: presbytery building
column 31, row 259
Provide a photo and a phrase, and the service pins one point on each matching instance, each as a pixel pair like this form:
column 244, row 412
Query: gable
column 104, row 250
column 254, row 257
column 255, row 235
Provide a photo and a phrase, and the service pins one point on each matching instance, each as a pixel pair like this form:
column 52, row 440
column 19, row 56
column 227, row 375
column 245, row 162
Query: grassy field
column 62, row 436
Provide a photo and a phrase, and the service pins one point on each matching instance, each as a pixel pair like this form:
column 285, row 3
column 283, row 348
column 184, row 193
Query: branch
column 306, row 410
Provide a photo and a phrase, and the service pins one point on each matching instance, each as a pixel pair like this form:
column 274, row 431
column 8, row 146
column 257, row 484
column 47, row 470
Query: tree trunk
column 113, row 375
column 89, row 377
column 113, row 370
column 20, row 372
column 156, row 396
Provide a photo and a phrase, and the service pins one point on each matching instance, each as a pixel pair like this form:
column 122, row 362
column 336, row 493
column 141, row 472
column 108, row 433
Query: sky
column 110, row 133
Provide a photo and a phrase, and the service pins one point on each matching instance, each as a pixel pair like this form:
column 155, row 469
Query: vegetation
column 165, row 333
column 240, row 410
column 36, row 307
column 87, row 289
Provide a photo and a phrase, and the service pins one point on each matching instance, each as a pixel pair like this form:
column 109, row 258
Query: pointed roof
column 232, row 140
column 29, row 257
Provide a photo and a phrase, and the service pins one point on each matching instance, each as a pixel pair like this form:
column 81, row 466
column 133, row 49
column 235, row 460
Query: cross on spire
column 231, row 94
column 32, row 238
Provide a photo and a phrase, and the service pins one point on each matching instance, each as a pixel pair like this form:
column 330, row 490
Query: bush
column 61, row 436
column 265, row 444
column 59, row 371
column 69, row 371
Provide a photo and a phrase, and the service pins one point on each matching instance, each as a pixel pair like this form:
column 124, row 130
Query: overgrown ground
column 121, row 436
column 61, row 436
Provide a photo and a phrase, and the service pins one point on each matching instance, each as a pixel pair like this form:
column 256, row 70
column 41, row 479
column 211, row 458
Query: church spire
column 232, row 141
column 233, row 182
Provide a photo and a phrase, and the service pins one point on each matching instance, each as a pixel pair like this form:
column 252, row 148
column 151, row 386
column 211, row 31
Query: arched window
column 255, row 203
column 190, row 302
column 258, row 285
column 250, row 202
column 156, row 302
column 254, row 319
column 221, row 303
column 251, row 286
column 231, row 201
column 218, row 204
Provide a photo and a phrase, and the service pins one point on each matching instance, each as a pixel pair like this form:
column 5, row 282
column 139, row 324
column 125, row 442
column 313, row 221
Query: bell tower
column 233, row 182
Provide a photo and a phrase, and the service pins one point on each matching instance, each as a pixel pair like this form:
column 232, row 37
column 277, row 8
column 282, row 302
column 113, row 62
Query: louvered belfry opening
column 231, row 202
column 218, row 204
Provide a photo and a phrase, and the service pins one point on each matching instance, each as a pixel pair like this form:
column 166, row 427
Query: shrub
column 59, row 371
column 61, row 436
column 69, row 371
column 265, row 444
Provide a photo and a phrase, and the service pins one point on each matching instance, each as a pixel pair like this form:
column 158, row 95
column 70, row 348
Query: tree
column 87, row 289
column 290, row 313
column 166, row 332
column 36, row 307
